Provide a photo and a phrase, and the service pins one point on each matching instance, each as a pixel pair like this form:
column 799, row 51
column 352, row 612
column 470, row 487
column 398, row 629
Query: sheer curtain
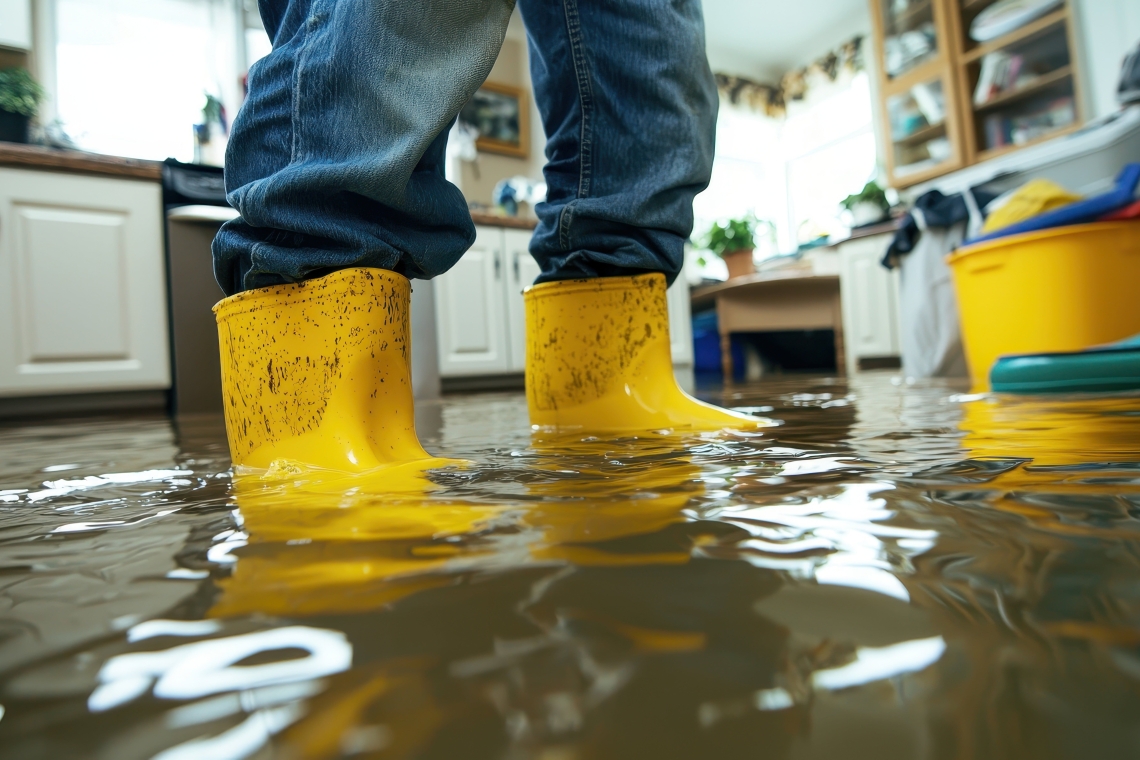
column 748, row 172
column 131, row 76
column 830, row 153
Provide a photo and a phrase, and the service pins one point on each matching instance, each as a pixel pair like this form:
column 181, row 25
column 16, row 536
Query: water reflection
column 896, row 571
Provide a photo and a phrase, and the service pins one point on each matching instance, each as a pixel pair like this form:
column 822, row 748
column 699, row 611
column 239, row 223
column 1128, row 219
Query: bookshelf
column 949, row 101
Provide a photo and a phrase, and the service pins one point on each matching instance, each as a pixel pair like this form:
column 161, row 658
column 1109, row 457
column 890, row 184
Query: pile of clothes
column 930, row 339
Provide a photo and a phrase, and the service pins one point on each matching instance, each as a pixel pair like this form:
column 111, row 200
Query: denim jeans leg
column 629, row 107
column 337, row 157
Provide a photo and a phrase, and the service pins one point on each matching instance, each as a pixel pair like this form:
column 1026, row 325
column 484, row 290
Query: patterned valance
column 794, row 85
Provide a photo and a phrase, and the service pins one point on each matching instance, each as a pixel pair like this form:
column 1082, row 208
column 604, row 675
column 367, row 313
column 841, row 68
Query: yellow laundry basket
column 1061, row 289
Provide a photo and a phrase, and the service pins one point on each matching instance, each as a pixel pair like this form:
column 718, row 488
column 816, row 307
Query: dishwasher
column 194, row 197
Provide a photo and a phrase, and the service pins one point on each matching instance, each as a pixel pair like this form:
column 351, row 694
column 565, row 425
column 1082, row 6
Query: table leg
column 840, row 347
column 726, row 357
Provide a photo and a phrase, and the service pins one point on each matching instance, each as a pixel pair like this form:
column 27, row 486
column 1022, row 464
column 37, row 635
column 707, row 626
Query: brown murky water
column 895, row 572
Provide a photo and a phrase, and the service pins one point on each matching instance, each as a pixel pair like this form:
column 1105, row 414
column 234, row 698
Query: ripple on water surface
column 894, row 571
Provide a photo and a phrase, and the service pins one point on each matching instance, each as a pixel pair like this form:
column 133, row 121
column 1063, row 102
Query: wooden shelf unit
column 955, row 67
column 987, row 154
column 916, row 10
column 933, row 73
column 1032, row 87
column 1021, row 34
column 922, row 135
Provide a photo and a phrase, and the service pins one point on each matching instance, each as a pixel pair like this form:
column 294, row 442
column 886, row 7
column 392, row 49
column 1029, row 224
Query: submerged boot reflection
column 350, row 545
column 623, row 642
column 323, row 551
column 642, row 646
column 600, row 502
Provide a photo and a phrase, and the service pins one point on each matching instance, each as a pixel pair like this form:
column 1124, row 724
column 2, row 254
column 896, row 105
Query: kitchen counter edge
column 19, row 156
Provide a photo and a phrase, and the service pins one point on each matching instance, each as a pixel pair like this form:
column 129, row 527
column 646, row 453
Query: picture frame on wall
column 500, row 114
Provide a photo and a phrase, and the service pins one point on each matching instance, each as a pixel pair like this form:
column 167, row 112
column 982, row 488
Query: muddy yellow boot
column 316, row 376
column 598, row 359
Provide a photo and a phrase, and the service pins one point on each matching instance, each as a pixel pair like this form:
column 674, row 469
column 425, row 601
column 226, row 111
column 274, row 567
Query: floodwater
column 895, row 571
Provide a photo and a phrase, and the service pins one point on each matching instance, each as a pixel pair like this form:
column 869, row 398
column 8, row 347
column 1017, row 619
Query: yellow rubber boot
column 316, row 376
column 598, row 359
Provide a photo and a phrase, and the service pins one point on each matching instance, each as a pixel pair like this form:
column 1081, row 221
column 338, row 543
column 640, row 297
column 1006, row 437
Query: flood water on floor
column 893, row 572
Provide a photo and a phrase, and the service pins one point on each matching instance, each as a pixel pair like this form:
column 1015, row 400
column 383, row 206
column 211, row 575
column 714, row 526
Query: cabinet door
column 869, row 301
column 82, row 284
column 469, row 310
column 523, row 272
column 923, row 132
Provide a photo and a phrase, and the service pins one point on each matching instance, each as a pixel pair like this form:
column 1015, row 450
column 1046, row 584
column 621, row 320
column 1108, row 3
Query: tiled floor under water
column 893, row 572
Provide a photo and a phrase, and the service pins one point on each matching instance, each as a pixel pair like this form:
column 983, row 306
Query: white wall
column 1108, row 29
column 512, row 67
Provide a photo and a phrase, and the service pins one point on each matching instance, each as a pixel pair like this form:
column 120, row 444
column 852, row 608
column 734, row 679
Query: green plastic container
column 1104, row 369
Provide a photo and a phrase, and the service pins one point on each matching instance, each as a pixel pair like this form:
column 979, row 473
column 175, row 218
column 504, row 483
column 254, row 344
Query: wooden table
column 772, row 301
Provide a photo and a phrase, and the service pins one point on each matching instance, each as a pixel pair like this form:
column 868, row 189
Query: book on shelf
column 1002, row 130
column 1000, row 72
column 930, row 102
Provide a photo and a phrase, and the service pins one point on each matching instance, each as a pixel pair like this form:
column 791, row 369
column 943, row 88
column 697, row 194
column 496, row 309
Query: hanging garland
column 794, row 85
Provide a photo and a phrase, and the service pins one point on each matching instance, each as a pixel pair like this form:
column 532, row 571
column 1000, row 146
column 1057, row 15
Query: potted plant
column 734, row 242
column 868, row 206
column 20, row 97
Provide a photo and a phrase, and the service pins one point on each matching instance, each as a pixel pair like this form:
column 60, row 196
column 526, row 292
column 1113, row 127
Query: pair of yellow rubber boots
column 316, row 375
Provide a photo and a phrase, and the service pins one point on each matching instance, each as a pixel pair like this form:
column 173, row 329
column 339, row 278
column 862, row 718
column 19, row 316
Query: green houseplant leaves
column 19, row 93
column 731, row 236
column 871, row 193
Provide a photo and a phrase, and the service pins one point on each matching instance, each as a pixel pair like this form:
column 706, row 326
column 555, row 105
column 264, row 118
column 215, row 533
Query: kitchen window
column 792, row 171
column 829, row 148
column 131, row 76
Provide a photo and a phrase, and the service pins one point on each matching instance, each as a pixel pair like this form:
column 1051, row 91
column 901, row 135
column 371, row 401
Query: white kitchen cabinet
column 471, row 310
column 16, row 24
column 480, row 311
column 870, row 300
column 680, row 323
column 82, row 284
column 523, row 272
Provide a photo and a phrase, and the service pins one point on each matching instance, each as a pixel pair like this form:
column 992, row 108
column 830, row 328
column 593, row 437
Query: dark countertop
column 494, row 220
column 54, row 159
column 874, row 229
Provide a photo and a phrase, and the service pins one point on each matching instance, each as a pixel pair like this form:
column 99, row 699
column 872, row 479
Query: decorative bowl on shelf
column 866, row 212
column 940, row 149
column 1004, row 16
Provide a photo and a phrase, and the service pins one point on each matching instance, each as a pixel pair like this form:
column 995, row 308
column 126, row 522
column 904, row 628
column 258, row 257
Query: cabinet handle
column 515, row 266
column 498, row 264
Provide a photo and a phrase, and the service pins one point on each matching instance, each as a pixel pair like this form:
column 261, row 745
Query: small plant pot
column 739, row 263
column 13, row 127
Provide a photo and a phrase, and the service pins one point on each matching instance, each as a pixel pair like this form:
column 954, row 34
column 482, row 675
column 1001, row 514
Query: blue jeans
column 337, row 157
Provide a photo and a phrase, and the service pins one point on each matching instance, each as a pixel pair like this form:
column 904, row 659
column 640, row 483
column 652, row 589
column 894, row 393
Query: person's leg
column 336, row 158
column 629, row 106
column 336, row 166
